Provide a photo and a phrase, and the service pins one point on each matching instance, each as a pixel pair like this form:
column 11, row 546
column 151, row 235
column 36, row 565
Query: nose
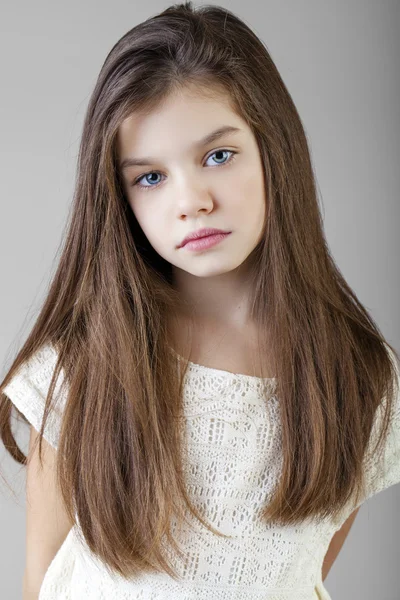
column 193, row 197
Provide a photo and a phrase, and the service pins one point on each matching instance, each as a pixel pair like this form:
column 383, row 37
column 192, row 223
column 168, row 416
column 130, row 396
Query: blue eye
column 157, row 183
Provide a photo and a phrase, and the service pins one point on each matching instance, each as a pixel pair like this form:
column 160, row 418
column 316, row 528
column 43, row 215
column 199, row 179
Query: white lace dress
column 233, row 461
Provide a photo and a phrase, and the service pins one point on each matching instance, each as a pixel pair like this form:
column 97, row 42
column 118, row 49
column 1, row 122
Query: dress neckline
column 222, row 372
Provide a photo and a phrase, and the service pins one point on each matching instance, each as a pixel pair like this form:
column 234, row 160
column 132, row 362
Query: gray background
column 340, row 62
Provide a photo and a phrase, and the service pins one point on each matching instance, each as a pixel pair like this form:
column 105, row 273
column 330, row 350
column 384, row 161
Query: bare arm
column 47, row 524
column 337, row 543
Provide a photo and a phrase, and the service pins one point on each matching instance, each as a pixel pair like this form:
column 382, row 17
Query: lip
column 202, row 233
column 206, row 242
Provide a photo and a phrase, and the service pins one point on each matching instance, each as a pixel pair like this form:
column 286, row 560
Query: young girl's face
column 184, row 185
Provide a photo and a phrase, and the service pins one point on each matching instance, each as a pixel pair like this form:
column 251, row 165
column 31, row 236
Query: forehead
column 183, row 116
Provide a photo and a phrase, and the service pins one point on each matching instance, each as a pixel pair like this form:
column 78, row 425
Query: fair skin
column 189, row 187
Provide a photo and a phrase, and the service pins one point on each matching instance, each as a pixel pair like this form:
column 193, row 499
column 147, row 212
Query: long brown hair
column 119, row 452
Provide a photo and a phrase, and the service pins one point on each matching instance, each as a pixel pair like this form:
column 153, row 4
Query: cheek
column 248, row 194
column 141, row 214
column 143, row 222
column 154, row 227
column 132, row 207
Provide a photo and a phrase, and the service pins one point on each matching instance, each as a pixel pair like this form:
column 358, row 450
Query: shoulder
column 383, row 466
column 29, row 387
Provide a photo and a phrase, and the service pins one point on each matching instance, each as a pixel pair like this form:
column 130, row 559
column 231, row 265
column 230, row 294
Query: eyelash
column 150, row 187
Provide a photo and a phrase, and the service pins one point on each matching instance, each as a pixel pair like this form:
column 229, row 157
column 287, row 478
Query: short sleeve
column 28, row 390
column 382, row 470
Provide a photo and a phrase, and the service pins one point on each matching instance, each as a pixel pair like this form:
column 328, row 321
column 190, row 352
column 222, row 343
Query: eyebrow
column 211, row 137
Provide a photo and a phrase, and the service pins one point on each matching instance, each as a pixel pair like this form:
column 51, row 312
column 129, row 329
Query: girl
column 213, row 401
